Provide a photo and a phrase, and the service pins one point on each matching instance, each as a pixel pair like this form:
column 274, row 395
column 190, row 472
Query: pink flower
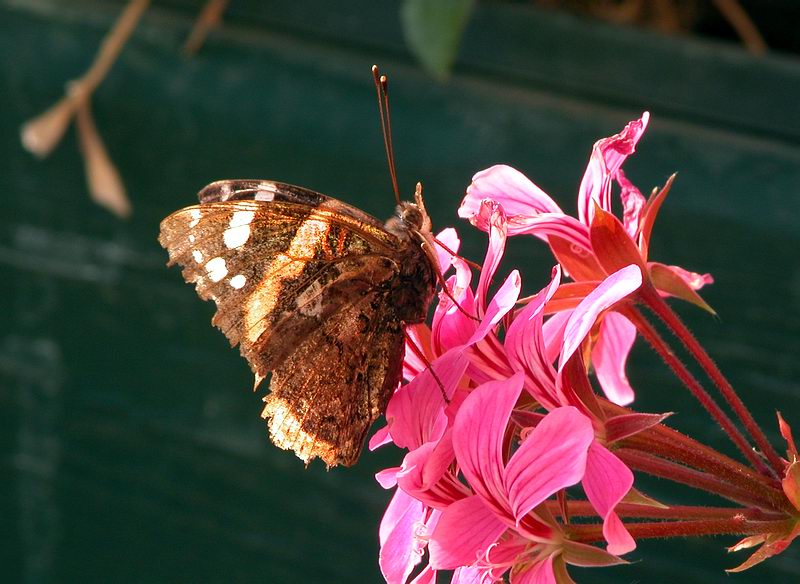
column 465, row 352
column 595, row 244
column 607, row 479
column 418, row 416
column 498, row 526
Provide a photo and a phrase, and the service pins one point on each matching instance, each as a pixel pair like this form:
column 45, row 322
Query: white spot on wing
column 192, row 238
column 266, row 191
column 198, row 256
column 238, row 281
column 238, row 231
column 236, row 236
column 216, row 269
column 242, row 218
column 195, row 214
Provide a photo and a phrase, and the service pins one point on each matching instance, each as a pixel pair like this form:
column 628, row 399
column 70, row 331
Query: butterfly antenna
column 421, row 354
column 382, row 89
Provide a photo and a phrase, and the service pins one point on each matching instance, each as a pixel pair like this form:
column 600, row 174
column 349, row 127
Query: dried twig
column 105, row 184
column 208, row 19
column 744, row 26
column 43, row 133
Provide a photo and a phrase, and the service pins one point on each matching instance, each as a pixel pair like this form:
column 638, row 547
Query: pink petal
column 399, row 547
column 606, row 482
column 525, row 347
column 451, row 327
column 464, row 532
column 504, row 300
column 607, row 157
column 632, row 204
column 610, row 354
column 553, row 334
column 551, row 458
column 380, row 438
column 387, row 478
column 695, row 280
column 470, row 575
column 419, row 336
column 448, row 237
column 427, row 576
column 539, row 573
column 494, row 252
column 613, row 289
column 619, row 540
column 416, row 411
column 478, row 433
column 528, row 209
column 425, row 475
column 508, row 187
column 488, row 361
column 558, row 224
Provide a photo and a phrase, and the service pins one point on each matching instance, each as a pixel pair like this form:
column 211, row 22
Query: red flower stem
column 723, row 469
column 765, row 499
column 737, row 525
column 631, row 510
column 650, row 334
column 671, row 444
column 668, row 443
column 660, row 307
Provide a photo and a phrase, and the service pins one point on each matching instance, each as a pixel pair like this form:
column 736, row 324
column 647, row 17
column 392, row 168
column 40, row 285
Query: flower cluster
column 499, row 416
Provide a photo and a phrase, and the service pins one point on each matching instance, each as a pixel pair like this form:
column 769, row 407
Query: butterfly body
column 314, row 291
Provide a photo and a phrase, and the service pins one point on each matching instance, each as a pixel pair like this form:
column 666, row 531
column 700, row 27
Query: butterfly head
column 413, row 216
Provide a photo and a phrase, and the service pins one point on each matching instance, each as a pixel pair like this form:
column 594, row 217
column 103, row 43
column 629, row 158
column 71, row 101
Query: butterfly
column 316, row 294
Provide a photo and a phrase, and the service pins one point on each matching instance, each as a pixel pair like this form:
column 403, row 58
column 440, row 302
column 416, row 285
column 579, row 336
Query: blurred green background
column 131, row 449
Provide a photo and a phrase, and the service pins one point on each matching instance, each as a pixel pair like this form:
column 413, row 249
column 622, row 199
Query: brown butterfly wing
column 300, row 281
column 330, row 390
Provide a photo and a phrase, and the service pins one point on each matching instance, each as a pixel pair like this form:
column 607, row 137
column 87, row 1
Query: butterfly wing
column 303, row 285
column 327, row 393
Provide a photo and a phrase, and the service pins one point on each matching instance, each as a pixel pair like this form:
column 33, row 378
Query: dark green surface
column 130, row 446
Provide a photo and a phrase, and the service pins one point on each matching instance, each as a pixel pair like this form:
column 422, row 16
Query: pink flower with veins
column 607, row 479
column 465, row 352
column 596, row 243
column 417, row 415
column 498, row 527
column 500, row 420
